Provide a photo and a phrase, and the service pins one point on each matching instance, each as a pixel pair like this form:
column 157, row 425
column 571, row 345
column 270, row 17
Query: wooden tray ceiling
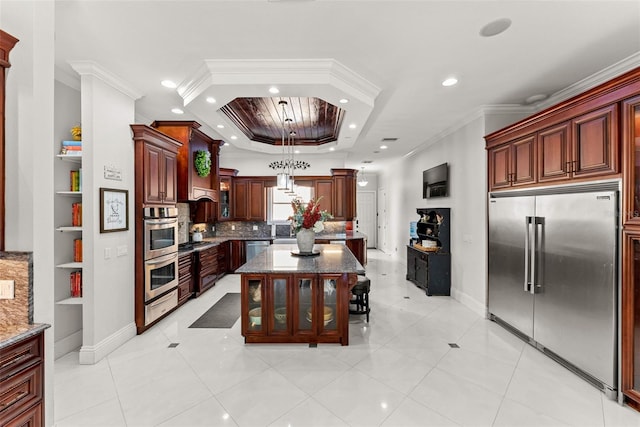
column 315, row 121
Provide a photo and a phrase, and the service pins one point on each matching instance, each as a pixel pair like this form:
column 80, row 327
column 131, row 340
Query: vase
column 306, row 239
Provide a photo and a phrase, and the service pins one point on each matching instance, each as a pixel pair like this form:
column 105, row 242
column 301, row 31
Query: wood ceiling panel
column 314, row 120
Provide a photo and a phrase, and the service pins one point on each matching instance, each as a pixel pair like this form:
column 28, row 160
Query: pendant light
column 362, row 181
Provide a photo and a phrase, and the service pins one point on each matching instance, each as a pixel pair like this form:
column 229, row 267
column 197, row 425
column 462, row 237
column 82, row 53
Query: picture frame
column 114, row 210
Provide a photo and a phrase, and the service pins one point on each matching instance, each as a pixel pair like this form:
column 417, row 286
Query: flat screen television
column 435, row 181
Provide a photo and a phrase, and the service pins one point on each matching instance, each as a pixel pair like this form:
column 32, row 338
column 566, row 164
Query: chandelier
column 287, row 165
column 362, row 181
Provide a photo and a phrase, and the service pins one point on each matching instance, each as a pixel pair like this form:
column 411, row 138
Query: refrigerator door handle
column 527, row 225
column 534, row 248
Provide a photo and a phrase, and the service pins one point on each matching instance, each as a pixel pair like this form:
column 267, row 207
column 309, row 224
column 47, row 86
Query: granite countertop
column 214, row 241
column 10, row 334
column 279, row 259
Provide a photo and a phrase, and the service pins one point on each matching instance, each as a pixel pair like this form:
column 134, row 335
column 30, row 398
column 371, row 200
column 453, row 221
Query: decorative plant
column 308, row 216
column 202, row 162
column 76, row 133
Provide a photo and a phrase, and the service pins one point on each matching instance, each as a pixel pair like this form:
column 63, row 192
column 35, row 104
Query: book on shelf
column 77, row 250
column 72, row 143
column 76, row 214
column 75, row 283
column 75, row 180
column 71, row 148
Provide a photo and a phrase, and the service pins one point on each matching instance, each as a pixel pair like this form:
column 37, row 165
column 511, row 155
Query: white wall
column 30, row 155
column 257, row 164
column 107, row 110
column 464, row 150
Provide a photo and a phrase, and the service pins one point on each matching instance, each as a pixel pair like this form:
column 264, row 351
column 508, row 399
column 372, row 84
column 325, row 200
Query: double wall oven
column 160, row 261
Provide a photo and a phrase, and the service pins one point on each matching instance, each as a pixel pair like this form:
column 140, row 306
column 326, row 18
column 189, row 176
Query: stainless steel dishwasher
column 254, row 247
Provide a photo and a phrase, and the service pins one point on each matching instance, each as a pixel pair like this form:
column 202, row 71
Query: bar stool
column 360, row 297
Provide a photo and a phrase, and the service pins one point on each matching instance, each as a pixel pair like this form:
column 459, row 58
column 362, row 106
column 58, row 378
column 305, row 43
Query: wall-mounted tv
column 435, row 181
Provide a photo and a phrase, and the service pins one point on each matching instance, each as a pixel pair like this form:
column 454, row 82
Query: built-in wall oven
column 160, row 232
column 160, row 260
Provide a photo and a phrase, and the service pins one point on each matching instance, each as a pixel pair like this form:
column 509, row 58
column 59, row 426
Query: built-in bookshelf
column 69, row 225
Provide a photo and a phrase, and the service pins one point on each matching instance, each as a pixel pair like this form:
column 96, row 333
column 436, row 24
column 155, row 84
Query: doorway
column 382, row 220
column 366, row 224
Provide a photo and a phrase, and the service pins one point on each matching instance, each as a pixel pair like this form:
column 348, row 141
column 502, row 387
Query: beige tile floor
column 397, row 371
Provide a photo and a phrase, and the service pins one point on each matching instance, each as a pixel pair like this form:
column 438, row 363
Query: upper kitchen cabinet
column 595, row 143
column 513, row 164
column 631, row 155
column 156, row 179
column 225, row 212
column 197, row 160
column 344, row 190
column 249, row 199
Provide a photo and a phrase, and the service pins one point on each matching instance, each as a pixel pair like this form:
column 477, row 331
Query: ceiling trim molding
column 91, row 68
column 68, row 79
column 602, row 76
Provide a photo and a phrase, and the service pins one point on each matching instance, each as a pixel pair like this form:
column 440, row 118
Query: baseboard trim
column 91, row 354
column 469, row 302
column 67, row 344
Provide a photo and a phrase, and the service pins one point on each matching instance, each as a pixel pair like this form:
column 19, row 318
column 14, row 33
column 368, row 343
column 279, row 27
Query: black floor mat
column 223, row 314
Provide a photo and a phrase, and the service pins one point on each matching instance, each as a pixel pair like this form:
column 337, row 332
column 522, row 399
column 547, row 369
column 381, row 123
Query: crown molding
column 91, row 68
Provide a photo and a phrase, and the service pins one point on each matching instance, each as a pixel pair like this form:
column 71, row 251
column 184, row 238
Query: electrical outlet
column 7, row 289
column 213, row 228
column 255, row 228
column 233, row 228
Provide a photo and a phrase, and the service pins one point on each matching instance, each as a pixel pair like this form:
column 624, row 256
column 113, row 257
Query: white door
column 382, row 220
column 366, row 203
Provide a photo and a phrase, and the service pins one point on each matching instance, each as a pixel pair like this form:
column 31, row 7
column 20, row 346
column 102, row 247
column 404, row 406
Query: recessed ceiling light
column 352, row 126
column 211, row 100
column 383, row 147
column 495, row 27
column 169, row 84
column 234, row 137
column 343, row 101
column 177, row 111
column 220, row 126
column 274, row 90
column 450, row 81
column 332, row 148
column 297, row 151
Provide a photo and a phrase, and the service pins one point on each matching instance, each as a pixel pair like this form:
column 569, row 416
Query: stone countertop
column 11, row 334
column 279, row 259
column 214, row 241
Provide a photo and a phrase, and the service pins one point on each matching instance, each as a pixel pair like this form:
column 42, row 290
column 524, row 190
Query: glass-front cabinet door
column 304, row 307
column 631, row 318
column 329, row 304
column 631, row 156
column 280, row 316
column 253, row 303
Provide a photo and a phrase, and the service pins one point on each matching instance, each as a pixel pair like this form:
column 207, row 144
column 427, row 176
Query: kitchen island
column 286, row 298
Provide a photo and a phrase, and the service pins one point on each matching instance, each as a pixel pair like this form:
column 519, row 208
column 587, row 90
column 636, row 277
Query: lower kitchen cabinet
column 185, row 277
column 238, row 255
column 296, row 308
column 22, row 382
column 207, row 269
column 429, row 270
column 223, row 259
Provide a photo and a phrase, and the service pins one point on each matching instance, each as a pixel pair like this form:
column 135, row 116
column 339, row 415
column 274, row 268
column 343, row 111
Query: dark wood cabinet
column 554, row 152
column 207, row 269
column 513, row 164
column 249, row 200
column 192, row 186
column 185, row 277
column 237, row 254
column 22, row 382
column 429, row 270
column 160, row 179
column 595, row 143
column 296, row 308
column 225, row 197
column 323, row 188
column 344, row 194
column 223, row 259
column 203, row 211
column 359, row 249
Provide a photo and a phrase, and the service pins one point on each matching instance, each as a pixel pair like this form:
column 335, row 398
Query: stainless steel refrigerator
column 553, row 274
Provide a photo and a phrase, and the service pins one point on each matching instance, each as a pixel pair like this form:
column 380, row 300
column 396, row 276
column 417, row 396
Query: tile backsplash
column 18, row 267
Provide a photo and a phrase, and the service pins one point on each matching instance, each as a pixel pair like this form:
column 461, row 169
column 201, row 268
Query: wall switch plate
column 107, row 253
column 233, row 227
column 255, row 228
column 121, row 250
column 7, row 289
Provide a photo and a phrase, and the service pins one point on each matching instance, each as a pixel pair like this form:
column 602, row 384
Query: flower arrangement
column 308, row 215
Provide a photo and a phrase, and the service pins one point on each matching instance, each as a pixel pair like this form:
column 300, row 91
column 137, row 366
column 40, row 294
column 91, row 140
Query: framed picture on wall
column 114, row 210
